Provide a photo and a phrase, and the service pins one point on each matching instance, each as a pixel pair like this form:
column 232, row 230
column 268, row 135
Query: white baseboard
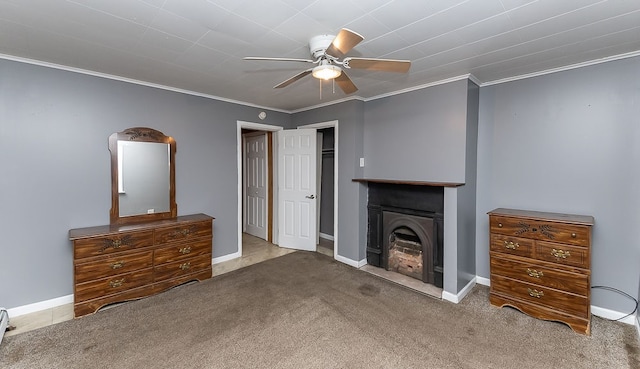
column 483, row 281
column 353, row 263
column 613, row 315
column 326, row 236
column 39, row 306
column 456, row 298
column 221, row 259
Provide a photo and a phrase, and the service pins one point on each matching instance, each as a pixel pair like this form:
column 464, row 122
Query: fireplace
column 407, row 245
column 405, row 230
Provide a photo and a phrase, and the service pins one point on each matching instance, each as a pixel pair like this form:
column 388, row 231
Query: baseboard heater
column 4, row 322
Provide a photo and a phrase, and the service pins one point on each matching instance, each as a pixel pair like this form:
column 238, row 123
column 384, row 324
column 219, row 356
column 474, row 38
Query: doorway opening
column 327, row 185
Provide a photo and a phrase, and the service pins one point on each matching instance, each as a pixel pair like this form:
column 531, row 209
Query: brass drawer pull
column 511, row 245
column 499, row 225
column 116, row 283
column 560, row 254
column 183, row 232
column 185, row 266
column 117, row 265
column 185, row 250
column 535, row 293
column 115, row 243
column 573, row 235
column 534, row 273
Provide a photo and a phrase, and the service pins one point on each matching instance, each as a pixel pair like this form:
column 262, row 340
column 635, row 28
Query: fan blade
column 293, row 79
column 346, row 84
column 277, row 59
column 344, row 41
column 384, row 65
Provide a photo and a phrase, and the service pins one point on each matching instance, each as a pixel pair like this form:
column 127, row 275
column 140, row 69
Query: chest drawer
column 512, row 245
column 113, row 265
column 536, row 294
column 183, row 232
column 181, row 251
column 98, row 246
column 182, row 267
column 535, row 273
column 572, row 234
column 563, row 254
column 113, row 285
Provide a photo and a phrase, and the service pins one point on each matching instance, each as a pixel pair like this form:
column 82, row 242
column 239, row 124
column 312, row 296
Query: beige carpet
column 304, row 310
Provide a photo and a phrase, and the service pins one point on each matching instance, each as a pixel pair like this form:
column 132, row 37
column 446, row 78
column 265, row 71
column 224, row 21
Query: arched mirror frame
column 141, row 134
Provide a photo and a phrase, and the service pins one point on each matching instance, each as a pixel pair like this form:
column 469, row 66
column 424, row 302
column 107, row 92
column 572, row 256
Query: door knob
column 310, row 197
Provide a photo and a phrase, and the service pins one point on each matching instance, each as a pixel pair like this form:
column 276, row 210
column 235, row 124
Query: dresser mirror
column 142, row 176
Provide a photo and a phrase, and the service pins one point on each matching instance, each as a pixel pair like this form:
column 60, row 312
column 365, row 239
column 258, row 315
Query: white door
column 297, row 189
column 255, row 189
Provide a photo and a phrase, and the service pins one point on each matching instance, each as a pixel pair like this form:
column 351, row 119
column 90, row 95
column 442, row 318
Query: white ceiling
column 198, row 45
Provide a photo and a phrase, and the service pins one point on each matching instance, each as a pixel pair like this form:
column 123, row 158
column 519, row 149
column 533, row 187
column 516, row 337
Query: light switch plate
column 361, row 162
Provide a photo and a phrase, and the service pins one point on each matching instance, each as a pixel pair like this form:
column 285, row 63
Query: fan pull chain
column 320, row 81
column 333, row 85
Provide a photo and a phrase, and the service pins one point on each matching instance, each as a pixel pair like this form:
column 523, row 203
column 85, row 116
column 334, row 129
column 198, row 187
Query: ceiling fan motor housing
column 318, row 44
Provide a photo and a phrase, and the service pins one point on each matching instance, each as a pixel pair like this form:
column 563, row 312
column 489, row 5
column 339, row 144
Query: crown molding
column 420, row 87
column 134, row 81
column 562, row 69
column 328, row 103
column 469, row 76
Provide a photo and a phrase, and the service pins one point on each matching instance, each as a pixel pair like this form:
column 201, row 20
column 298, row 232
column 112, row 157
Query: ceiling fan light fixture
column 326, row 72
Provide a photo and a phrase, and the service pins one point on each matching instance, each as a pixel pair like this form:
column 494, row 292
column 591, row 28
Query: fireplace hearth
column 405, row 230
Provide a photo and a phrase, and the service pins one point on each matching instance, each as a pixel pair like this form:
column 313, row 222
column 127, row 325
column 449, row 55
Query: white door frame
column 263, row 137
column 329, row 124
column 260, row 127
column 271, row 128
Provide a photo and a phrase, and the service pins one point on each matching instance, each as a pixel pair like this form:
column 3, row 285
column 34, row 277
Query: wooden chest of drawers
column 540, row 264
column 115, row 263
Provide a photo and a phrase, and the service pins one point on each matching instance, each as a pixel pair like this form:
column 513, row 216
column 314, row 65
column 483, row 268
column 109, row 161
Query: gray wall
column 568, row 142
column 467, row 194
column 419, row 135
column 54, row 129
column 565, row 142
column 351, row 195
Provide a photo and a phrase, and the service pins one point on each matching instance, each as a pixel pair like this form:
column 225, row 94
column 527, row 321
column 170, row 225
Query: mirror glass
column 142, row 176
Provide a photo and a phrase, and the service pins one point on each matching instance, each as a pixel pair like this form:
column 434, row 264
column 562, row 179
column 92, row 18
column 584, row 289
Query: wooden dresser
column 540, row 264
column 115, row 263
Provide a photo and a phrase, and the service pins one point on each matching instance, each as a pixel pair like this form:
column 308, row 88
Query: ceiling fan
column 329, row 52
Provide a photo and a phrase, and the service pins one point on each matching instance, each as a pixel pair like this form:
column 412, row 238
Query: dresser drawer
column 113, row 285
column 512, row 245
column 536, row 294
column 97, row 246
column 113, row 265
column 541, row 230
column 183, row 232
column 182, row 267
column 540, row 275
column 563, row 254
column 91, row 306
column 182, row 250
